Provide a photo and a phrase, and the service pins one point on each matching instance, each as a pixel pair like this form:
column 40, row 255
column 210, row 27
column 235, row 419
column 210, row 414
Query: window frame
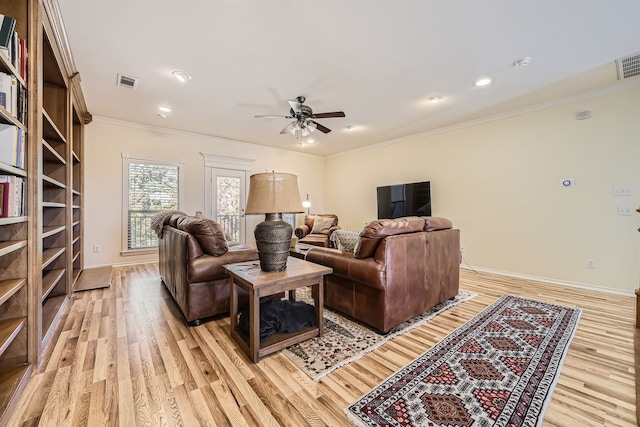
column 126, row 160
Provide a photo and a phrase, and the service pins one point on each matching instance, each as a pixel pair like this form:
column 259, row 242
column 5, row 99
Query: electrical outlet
column 624, row 210
column 591, row 263
column 97, row 249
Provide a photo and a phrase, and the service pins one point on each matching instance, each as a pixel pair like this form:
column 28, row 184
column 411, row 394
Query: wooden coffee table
column 258, row 283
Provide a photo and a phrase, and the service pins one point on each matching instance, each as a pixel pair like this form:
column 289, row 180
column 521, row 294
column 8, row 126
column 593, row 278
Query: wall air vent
column 629, row 66
column 126, row 81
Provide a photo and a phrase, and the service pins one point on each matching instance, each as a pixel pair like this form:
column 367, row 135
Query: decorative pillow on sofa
column 321, row 225
column 345, row 240
column 207, row 232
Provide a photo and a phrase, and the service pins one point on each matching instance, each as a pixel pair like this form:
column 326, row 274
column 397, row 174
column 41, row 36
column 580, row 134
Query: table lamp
column 273, row 194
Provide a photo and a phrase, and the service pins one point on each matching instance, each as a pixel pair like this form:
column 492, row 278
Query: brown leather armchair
column 317, row 229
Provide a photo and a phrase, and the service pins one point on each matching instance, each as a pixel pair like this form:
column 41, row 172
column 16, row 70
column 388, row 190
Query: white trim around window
column 126, row 161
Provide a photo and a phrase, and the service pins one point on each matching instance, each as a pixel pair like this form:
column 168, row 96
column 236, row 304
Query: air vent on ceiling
column 127, row 81
column 628, row 66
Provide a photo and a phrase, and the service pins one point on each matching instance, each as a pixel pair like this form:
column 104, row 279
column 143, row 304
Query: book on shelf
column 4, row 199
column 23, row 59
column 7, row 24
column 13, row 96
column 13, row 197
column 12, row 144
column 17, row 54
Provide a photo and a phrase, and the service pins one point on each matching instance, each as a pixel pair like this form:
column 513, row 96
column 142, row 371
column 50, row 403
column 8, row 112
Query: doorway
column 226, row 194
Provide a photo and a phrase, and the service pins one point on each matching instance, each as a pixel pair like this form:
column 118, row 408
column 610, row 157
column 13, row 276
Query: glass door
column 229, row 202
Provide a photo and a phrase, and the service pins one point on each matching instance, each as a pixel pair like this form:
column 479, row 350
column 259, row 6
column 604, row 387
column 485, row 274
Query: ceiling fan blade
column 321, row 128
column 328, row 115
column 288, row 128
column 295, row 106
column 272, row 116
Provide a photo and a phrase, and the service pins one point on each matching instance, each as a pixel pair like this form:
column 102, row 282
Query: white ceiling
column 376, row 60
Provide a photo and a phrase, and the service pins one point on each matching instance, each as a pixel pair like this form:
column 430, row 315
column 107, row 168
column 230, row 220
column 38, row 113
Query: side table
column 257, row 284
column 300, row 250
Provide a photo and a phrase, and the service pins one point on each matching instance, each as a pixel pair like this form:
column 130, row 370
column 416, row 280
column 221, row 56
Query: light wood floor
column 125, row 357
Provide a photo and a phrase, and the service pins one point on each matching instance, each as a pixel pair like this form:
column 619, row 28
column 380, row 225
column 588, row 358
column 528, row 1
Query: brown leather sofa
column 313, row 233
column 192, row 253
column 399, row 268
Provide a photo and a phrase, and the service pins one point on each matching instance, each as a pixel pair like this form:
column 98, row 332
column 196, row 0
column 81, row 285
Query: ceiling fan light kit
column 303, row 116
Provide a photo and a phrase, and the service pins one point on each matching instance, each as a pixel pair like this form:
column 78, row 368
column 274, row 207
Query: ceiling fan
column 303, row 116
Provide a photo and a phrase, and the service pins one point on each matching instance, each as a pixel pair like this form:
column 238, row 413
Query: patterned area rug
column 498, row 369
column 345, row 340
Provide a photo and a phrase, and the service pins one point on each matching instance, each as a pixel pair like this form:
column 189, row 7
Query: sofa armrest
column 345, row 265
column 207, row 268
column 334, row 228
column 301, row 231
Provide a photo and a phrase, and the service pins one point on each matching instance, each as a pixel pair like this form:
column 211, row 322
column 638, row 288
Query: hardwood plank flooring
column 124, row 357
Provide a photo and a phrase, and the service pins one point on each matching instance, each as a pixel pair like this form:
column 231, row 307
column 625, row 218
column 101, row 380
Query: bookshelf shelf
column 7, row 67
column 52, row 182
column 50, row 131
column 12, row 220
column 11, row 170
column 12, row 380
column 51, row 308
column 9, row 329
column 50, row 231
column 50, row 281
column 8, row 118
column 49, row 154
column 9, row 287
column 53, row 205
column 50, row 255
column 11, row 245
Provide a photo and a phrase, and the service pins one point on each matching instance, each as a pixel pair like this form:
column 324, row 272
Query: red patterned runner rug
column 498, row 369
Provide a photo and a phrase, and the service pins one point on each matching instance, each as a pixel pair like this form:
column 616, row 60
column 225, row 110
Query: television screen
column 413, row 199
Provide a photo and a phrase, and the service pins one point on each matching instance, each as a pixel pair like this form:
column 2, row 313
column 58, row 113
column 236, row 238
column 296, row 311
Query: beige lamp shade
column 273, row 193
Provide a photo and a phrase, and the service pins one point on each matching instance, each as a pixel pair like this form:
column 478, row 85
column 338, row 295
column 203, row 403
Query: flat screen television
column 412, row 199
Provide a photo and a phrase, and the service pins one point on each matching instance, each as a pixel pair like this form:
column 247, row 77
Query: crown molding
column 244, row 145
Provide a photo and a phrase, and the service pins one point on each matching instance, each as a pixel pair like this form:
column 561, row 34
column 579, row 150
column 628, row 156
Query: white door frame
column 215, row 164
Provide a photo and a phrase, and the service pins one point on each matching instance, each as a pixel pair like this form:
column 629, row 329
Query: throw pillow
column 345, row 240
column 321, row 225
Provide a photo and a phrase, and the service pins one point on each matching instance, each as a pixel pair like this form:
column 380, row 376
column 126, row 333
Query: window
column 150, row 187
column 291, row 219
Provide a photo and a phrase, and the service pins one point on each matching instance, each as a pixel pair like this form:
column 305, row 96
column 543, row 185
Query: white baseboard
column 552, row 281
column 124, row 264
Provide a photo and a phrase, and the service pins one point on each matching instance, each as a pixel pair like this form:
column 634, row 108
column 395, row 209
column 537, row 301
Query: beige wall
column 105, row 142
column 500, row 183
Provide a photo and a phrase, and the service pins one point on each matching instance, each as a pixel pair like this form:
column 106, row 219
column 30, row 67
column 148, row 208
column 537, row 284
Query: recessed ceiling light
column 310, row 140
column 483, row 81
column 181, row 76
column 522, row 62
column 164, row 109
column 434, row 99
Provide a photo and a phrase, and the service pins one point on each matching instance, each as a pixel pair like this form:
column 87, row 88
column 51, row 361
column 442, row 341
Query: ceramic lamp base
column 273, row 240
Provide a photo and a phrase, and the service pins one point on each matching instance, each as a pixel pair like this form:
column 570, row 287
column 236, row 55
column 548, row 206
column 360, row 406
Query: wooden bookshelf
column 41, row 250
column 15, row 365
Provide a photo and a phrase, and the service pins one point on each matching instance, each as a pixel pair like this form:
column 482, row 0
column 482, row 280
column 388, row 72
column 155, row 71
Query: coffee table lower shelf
column 277, row 341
